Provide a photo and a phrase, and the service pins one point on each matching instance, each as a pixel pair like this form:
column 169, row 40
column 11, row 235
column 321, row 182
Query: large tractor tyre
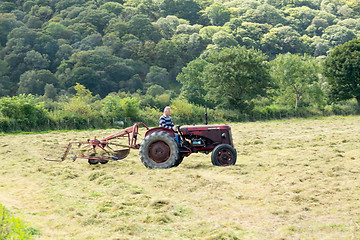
column 179, row 160
column 159, row 150
column 223, row 155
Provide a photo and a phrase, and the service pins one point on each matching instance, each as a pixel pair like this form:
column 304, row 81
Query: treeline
column 115, row 45
column 119, row 110
column 246, row 60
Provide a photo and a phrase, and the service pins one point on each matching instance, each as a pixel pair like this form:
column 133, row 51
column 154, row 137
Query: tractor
column 161, row 147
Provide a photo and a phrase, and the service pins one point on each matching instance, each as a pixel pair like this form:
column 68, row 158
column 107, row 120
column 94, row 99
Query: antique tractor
column 161, row 147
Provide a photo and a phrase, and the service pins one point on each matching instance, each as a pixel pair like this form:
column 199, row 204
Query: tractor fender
column 160, row 129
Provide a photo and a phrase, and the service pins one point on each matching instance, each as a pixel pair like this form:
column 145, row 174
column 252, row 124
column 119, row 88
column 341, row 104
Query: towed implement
column 161, row 147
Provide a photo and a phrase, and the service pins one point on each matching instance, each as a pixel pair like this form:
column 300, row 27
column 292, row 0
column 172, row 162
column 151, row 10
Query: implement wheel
column 159, row 150
column 223, row 155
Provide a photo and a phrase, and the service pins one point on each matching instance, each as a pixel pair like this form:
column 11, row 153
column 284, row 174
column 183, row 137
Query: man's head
column 167, row 111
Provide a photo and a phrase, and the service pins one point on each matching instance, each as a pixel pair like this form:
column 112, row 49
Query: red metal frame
column 130, row 132
column 132, row 140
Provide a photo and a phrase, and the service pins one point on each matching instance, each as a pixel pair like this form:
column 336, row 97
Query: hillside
column 130, row 45
column 294, row 179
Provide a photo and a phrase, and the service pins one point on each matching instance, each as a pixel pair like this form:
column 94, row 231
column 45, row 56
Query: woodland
column 92, row 63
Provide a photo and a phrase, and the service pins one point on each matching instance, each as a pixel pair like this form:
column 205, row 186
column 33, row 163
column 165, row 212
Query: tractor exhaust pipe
column 206, row 117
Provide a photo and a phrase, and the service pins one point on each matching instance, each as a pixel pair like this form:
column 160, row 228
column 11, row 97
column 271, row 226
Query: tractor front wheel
column 159, row 150
column 223, row 155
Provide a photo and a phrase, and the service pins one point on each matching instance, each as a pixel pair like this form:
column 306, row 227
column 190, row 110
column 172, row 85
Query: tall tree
column 295, row 77
column 235, row 76
column 342, row 70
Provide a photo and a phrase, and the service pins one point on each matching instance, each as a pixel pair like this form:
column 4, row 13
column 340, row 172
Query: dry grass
column 295, row 179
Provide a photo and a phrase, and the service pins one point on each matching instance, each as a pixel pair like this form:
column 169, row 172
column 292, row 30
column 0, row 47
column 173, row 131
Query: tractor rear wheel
column 179, row 160
column 159, row 150
column 223, row 155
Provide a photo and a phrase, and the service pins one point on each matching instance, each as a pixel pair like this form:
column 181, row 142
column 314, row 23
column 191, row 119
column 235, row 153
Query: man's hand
column 174, row 128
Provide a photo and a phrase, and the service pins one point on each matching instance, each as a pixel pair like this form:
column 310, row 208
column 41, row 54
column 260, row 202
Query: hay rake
column 103, row 150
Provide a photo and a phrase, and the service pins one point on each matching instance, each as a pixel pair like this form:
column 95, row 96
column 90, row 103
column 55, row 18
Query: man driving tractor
column 165, row 120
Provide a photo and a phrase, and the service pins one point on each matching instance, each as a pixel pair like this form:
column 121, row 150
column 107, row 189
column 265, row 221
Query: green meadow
column 293, row 179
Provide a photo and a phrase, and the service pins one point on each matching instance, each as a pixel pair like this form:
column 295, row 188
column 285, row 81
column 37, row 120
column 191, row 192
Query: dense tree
column 235, row 76
column 218, row 14
column 167, row 26
column 224, row 40
column 158, row 76
column 57, row 30
column 192, row 83
column 34, row 81
column 116, row 45
column 250, row 34
column 338, row 35
column 296, row 79
column 141, row 27
column 282, row 40
column 34, row 60
column 185, row 9
column 50, row 91
column 167, row 54
column 342, row 70
column 317, row 26
column 155, row 90
column 264, row 14
column 7, row 24
column 301, row 17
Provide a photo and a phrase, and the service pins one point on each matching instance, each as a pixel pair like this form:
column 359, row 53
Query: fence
column 100, row 122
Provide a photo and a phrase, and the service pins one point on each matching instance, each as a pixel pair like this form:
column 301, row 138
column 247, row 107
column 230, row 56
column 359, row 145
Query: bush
column 25, row 111
column 13, row 228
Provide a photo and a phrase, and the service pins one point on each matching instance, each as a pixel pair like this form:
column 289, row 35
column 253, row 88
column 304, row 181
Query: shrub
column 13, row 228
column 24, row 110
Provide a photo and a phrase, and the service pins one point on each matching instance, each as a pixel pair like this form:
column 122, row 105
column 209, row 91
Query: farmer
column 165, row 120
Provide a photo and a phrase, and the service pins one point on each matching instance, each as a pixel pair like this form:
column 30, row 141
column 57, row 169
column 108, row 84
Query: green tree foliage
column 155, row 90
column 12, row 227
column 193, row 88
column 185, row 9
column 296, row 80
column 24, row 109
column 7, row 24
column 117, row 107
column 141, row 27
column 264, row 14
column 81, row 103
column 34, row 81
column 282, row 40
column 167, row 54
column 128, row 46
column 338, row 35
column 157, row 76
column 235, row 76
column 218, row 14
column 342, row 70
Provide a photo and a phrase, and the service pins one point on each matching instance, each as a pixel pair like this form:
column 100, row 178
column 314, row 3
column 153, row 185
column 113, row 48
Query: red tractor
column 161, row 147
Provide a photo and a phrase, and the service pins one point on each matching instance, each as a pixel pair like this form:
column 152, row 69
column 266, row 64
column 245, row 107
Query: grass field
column 294, row 179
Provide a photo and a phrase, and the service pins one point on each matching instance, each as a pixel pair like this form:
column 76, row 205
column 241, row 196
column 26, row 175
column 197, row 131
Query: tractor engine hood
column 220, row 134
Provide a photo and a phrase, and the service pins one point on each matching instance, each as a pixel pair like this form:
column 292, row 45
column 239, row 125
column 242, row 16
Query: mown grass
column 12, row 227
column 294, row 179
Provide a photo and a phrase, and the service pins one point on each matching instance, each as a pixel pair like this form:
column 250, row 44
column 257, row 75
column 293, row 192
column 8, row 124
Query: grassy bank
column 294, row 179
column 12, row 227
